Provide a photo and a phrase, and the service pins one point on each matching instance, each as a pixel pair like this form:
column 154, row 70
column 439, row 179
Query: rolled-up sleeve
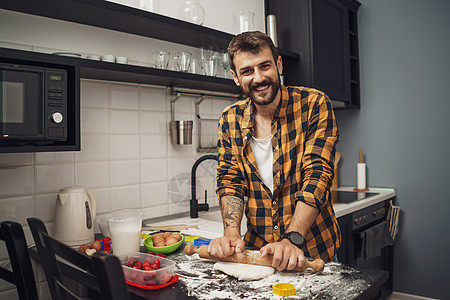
column 318, row 159
column 230, row 180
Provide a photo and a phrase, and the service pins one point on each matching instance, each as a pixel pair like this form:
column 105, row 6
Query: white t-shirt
column 262, row 150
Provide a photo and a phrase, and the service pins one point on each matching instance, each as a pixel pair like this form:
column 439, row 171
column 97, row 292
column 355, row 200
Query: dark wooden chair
column 104, row 276
column 22, row 272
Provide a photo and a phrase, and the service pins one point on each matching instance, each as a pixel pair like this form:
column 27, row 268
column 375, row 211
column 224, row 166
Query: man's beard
column 267, row 99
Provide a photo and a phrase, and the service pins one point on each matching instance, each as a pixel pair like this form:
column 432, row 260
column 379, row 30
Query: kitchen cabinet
column 113, row 16
column 325, row 34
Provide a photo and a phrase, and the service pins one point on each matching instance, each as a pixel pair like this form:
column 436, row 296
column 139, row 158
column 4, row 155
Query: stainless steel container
column 272, row 28
column 181, row 132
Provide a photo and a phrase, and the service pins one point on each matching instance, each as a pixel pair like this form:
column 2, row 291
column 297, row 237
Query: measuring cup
column 125, row 227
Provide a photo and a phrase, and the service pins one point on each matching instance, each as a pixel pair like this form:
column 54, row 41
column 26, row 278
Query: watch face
column 296, row 238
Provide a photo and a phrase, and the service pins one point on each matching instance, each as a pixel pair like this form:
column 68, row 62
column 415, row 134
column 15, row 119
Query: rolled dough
column 243, row 271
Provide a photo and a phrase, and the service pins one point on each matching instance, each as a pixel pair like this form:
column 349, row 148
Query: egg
column 159, row 244
column 166, row 234
column 177, row 236
column 157, row 237
column 171, row 241
column 96, row 245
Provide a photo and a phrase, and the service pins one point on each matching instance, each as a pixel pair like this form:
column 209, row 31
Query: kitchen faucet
column 195, row 206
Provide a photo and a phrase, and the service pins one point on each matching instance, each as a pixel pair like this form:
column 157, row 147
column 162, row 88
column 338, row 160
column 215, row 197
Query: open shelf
column 113, row 16
column 129, row 73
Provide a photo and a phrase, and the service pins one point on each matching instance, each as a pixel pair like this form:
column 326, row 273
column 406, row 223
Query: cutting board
column 334, row 184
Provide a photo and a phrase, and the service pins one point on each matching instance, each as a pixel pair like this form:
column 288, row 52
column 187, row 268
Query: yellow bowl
column 148, row 243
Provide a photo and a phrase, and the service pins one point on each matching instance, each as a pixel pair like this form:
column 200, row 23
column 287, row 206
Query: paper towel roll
column 361, row 173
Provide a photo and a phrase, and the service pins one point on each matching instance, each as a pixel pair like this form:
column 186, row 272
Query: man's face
column 258, row 75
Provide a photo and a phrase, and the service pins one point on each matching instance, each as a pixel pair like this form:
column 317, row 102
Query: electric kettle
column 74, row 216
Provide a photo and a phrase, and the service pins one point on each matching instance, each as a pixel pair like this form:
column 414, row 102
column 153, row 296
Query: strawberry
column 161, row 255
column 156, row 264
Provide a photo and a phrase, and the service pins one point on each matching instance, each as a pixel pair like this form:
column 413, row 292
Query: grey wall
column 403, row 128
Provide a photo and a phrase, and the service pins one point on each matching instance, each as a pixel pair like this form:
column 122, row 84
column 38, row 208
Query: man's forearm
column 232, row 210
column 304, row 216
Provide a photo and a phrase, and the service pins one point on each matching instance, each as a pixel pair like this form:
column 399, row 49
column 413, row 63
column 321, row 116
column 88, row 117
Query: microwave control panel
column 56, row 104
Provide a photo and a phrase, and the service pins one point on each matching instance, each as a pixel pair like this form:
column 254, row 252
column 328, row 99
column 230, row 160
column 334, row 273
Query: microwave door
column 21, row 105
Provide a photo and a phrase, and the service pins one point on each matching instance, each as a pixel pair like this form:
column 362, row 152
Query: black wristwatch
column 295, row 237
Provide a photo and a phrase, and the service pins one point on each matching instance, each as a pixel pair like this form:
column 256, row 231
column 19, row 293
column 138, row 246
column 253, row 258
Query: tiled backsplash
column 126, row 157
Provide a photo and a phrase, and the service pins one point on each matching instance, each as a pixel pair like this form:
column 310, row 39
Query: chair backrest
column 106, row 282
column 22, row 271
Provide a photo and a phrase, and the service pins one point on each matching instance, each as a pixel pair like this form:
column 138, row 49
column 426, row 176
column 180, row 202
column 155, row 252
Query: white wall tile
column 154, row 194
column 53, row 157
column 124, row 147
column 16, row 159
column 94, row 94
column 94, row 121
column 153, row 146
column 124, row 122
column 153, row 170
column 154, row 212
column 103, row 199
column 179, row 188
column 180, row 207
column 126, row 197
column 92, row 174
column 93, row 147
column 153, row 123
column 153, row 99
column 180, row 166
column 124, row 96
column 45, row 206
column 125, row 172
column 17, row 209
column 51, row 178
column 16, row 180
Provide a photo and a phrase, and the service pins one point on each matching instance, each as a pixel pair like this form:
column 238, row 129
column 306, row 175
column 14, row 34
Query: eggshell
column 96, row 245
column 171, row 241
column 159, row 244
column 177, row 236
column 157, row 237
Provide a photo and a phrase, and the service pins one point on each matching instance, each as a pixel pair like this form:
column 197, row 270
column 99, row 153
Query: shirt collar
column 247, row 122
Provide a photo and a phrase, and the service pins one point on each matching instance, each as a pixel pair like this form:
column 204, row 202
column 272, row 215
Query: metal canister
column 272, row 28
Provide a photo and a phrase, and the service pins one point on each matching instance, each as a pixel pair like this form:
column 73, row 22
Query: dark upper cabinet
column 325, row 33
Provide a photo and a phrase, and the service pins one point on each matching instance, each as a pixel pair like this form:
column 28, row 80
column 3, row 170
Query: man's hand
column 225, row 246
column 285, row 255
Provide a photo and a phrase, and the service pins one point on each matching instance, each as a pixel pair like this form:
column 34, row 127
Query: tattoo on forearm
column 232, row 211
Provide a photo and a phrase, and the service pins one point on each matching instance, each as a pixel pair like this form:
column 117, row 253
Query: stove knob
column 56, row 117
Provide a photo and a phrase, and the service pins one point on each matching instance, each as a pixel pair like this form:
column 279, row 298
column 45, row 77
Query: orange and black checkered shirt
column 304, row 136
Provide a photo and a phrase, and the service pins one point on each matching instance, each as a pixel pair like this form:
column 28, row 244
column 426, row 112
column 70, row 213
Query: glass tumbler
column 161, row 59
column 183, row 61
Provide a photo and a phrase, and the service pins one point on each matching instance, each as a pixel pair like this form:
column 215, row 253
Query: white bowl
column 108, row 58
column 121, row 59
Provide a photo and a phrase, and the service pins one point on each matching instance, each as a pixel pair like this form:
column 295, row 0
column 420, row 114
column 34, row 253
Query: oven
column 366, row 241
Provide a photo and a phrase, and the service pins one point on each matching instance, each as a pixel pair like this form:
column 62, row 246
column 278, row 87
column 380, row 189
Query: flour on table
column 244, row 271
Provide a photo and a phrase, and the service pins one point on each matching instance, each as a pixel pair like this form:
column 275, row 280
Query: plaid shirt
column 304, row 135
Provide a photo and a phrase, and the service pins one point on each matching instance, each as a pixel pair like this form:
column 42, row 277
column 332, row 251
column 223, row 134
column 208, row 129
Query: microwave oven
column 33, row 104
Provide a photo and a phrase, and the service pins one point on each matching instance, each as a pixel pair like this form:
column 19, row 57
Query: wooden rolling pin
column 169, row 227
column 251, row 257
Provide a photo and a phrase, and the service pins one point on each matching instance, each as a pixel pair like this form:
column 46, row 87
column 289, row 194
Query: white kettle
column 74, row 216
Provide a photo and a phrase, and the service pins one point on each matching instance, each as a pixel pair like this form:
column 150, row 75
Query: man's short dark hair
column 250, row 41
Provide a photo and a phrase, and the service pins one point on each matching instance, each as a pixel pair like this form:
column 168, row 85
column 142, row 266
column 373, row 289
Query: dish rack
column 207, row 128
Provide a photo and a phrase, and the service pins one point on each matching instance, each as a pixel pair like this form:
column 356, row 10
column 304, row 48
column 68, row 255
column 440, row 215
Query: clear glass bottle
column 192, row 11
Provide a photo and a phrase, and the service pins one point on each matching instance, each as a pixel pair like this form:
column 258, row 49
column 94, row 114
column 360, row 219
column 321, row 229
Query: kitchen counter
column 198, row 280
column 210, row 223
column 345, row 209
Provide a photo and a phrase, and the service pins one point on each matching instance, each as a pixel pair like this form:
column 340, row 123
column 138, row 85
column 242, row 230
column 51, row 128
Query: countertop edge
column 341, row 210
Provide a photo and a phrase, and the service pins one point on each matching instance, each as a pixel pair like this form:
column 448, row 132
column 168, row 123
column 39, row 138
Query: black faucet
column 195, row 206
